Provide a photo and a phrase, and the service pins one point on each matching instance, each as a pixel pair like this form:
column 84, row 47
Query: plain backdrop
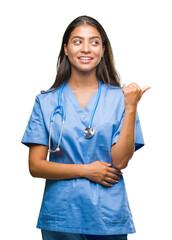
column 30, row 40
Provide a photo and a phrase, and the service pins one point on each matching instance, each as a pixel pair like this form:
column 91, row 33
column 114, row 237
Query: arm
column 123, row 150
column 99, row 172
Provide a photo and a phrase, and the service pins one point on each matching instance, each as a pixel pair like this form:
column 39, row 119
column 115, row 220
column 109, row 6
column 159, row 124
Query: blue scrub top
column 80, row 205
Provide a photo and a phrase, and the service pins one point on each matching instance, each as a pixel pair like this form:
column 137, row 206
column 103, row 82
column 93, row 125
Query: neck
column 83, row 80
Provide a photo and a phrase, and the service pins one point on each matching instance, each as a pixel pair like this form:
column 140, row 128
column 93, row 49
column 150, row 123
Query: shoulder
column 47, row 95
column 46, row 100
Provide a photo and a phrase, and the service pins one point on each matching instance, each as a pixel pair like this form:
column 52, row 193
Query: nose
column 85, row 47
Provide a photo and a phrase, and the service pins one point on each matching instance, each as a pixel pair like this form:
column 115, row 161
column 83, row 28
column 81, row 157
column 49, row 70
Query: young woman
column 89, row 124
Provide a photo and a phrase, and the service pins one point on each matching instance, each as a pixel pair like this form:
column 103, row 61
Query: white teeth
column 85, row 58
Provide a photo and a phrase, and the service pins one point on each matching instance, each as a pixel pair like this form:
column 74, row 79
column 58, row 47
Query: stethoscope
column 88, row 132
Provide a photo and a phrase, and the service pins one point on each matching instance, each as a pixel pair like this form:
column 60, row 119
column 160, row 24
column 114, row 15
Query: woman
column 91, row 129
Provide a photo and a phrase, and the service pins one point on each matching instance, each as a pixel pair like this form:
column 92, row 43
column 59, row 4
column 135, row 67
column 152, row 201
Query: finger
column 113, row 176
column 106, row 184
column 116, row 171
column 136, row 86
column 133, row 88
column 144, row 89
column 111, row 180
column 106, row 164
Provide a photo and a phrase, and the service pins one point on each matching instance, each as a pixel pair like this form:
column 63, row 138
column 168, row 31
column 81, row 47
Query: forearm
column 57, row 171
column 124, row 148
column 41, row 168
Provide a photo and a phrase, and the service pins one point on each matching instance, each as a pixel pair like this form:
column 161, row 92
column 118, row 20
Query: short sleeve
column 36, row 132
column 139, row 141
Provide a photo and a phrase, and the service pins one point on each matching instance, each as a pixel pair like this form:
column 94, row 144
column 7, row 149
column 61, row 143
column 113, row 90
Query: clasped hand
column 103, row 173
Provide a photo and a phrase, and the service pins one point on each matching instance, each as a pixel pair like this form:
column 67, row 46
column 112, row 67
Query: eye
column 94, row 43
column 77, row 42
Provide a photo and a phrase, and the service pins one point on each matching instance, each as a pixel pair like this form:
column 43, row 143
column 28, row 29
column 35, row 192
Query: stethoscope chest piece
column 89, row 132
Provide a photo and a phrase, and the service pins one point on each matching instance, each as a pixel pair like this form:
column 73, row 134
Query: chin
column 85, row 69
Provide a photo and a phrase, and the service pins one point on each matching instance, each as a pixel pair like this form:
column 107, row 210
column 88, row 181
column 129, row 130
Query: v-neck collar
column 89, row 106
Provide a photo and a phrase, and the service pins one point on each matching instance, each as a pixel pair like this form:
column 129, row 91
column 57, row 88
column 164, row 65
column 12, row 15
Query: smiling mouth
column 85, row 58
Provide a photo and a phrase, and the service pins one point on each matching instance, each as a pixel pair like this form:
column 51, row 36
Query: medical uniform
column 80, row 205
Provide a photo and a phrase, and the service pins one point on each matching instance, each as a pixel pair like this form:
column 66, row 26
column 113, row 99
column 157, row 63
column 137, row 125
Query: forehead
column 85, row 31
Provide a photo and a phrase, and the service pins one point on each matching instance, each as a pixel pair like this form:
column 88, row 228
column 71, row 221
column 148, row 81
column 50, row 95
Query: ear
column 65, row 49
column 103, row 50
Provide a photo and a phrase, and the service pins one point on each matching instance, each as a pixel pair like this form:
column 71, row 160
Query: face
column 85, row 48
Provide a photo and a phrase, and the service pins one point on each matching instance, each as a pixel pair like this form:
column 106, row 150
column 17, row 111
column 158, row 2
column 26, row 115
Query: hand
column 102, row 173
column 133, row 94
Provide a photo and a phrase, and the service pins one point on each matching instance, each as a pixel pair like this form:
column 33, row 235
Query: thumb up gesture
column 132, row 94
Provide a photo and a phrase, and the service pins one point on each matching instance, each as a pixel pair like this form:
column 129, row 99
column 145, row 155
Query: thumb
column 144, row 89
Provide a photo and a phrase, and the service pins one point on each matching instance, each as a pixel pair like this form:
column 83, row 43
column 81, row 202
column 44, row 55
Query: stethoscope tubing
column 88, row 132
column 59, row 110
column 95, row 105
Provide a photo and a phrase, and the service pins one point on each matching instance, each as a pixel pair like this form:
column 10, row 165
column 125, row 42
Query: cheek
column 72, row 55
column 72, row 51
column 69, row 53
column 98, row 52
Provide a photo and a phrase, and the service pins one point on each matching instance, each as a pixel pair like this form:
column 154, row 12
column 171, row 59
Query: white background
column 140, row 34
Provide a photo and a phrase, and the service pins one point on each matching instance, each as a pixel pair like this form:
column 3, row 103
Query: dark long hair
column 105, row 71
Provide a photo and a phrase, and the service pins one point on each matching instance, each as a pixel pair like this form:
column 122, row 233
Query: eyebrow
column 83, row 37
